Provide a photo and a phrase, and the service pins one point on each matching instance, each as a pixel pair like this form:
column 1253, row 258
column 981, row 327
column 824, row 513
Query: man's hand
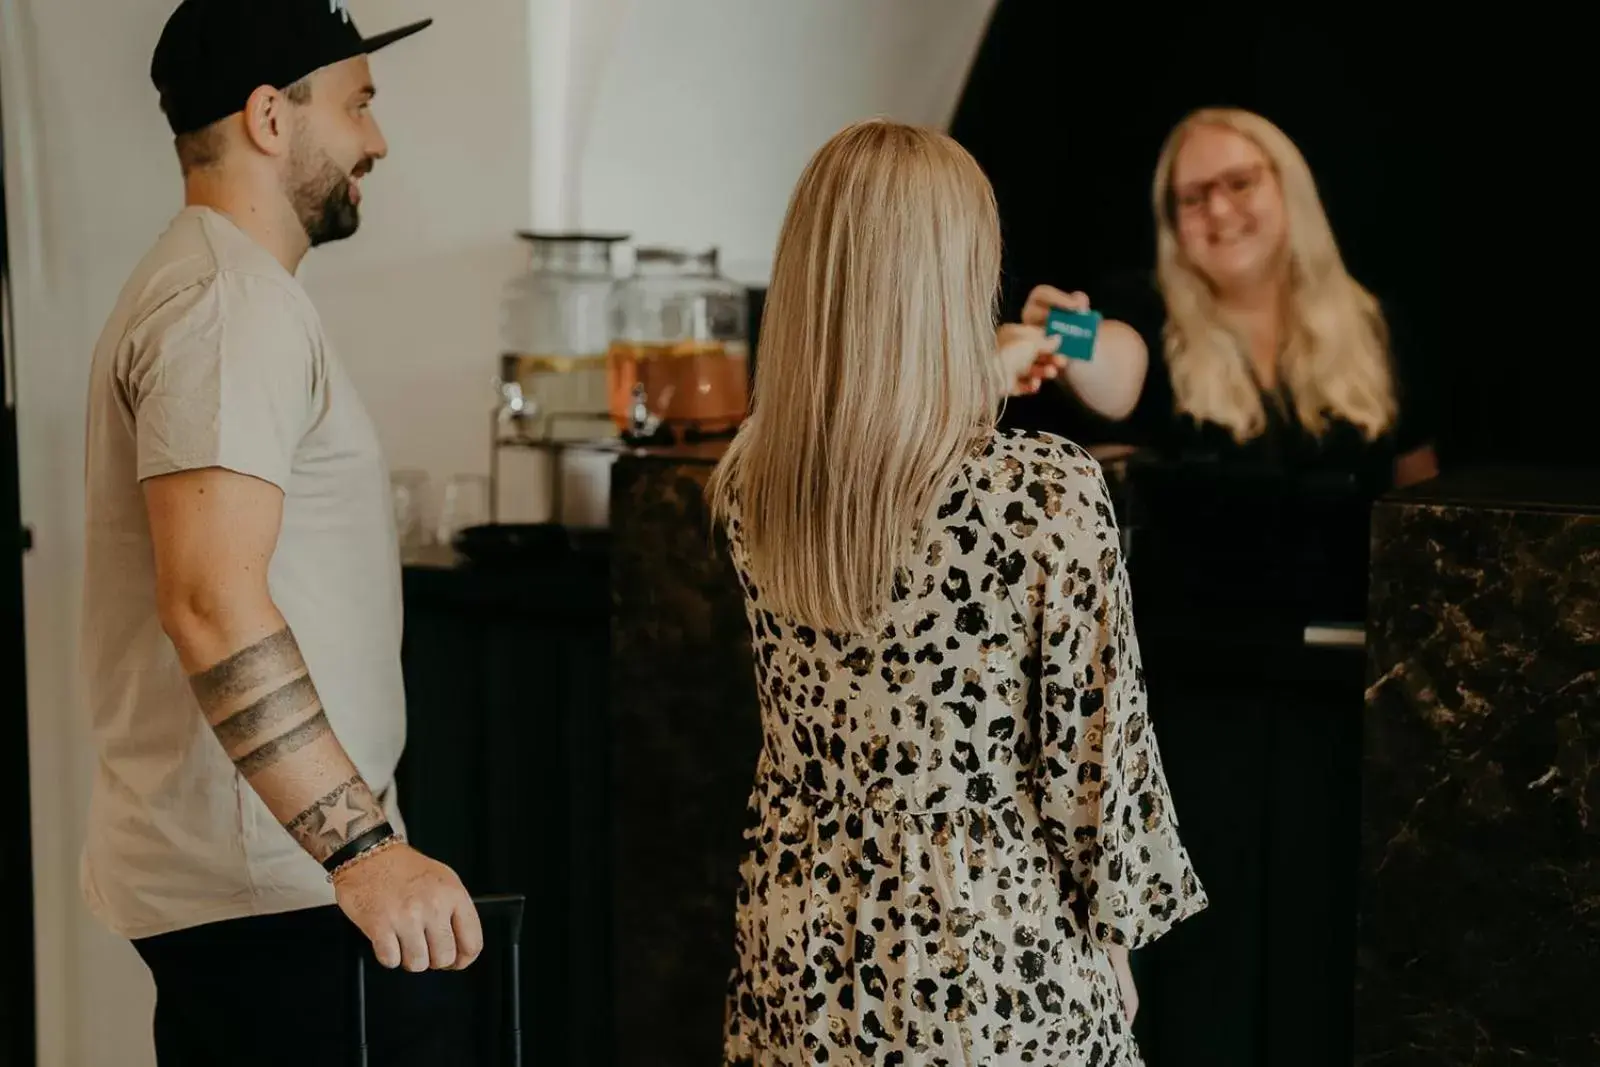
column 414, row 910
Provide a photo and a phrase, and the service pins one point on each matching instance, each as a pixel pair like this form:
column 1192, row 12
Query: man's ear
column 267, row 122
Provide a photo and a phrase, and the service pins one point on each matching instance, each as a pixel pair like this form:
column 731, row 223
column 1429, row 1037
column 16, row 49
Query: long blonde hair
column 1335, row 360
column 875, row 374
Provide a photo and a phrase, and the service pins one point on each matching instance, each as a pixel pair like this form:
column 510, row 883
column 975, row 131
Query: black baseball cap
column 214, row 53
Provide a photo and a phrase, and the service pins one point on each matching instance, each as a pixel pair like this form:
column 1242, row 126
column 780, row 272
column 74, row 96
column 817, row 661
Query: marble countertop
column 1548, row 489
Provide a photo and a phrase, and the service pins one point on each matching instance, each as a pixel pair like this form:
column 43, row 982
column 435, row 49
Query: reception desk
column 1480, row 906
column 685, row 734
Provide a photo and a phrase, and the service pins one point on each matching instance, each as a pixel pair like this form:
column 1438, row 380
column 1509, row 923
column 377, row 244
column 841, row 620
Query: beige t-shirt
column 215, row 357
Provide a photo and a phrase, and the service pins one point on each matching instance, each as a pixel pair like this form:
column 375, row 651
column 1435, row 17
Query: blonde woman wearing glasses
column 1256, row 342
column 960, row 823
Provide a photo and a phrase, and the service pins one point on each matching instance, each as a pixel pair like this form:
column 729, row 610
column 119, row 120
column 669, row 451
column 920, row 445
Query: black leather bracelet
column 364, row 842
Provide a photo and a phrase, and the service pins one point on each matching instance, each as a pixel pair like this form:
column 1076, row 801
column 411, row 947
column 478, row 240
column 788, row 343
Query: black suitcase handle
column 510, row 906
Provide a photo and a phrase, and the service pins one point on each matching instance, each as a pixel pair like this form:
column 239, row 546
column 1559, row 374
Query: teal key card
column 1077, row 330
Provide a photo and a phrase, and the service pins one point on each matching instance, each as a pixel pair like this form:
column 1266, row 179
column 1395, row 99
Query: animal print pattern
column 952, row 818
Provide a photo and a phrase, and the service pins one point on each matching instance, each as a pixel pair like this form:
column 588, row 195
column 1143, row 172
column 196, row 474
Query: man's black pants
column 279, row 990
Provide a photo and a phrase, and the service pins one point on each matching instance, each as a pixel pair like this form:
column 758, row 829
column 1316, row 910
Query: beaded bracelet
column 382, row 846
column 375, row 840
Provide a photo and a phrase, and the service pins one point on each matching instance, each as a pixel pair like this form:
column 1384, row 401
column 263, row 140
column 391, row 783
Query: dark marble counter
column 1553, row 489
column 685, row 734
column 1480, row 915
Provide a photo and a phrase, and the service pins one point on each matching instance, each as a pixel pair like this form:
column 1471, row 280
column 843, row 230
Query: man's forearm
column 264, row 709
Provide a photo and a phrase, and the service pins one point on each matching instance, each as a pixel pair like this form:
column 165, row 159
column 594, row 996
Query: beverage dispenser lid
column 573, row 235
column 676, row 252
column 706, row 260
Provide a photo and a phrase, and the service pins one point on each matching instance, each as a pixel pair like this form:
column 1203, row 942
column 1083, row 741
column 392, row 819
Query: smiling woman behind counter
column 1255, row 344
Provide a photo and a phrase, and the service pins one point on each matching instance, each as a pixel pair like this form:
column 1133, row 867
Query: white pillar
column 595, row 28
column 550, row 87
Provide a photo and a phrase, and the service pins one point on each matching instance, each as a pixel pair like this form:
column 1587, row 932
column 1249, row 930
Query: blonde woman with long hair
column 1257, row 343
column 960, row 824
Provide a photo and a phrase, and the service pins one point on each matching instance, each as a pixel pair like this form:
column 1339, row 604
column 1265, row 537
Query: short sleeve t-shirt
column 215, row 357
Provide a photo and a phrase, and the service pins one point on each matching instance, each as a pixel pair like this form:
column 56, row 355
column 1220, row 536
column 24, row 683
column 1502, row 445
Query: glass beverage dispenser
column 556, row 330
column 679, row 344
column 552, row 383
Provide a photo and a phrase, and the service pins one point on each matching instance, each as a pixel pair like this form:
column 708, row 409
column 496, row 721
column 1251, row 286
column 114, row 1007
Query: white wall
column 709, row 109
column 690, row 120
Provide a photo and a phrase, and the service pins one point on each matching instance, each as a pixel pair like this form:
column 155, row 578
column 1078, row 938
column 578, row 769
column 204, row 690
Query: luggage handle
column 508, row 904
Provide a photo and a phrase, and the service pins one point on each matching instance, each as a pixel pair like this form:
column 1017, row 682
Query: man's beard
column 320, row 193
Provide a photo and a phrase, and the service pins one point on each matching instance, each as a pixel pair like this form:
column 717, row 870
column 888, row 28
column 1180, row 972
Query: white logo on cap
column 340, row 8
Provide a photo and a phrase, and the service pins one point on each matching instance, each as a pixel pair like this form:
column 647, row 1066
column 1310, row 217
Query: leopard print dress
column 952, row 818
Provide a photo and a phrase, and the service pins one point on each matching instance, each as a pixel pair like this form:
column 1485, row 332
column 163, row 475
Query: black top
column 1285, row 448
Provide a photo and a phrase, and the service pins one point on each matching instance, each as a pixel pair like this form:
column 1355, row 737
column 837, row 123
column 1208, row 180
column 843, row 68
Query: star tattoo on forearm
column 264, row 709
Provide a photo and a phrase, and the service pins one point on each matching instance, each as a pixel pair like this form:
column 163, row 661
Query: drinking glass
column 466, row 504
column 410, row 489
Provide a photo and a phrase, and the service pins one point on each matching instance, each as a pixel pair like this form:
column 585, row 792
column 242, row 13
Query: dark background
column 1445, row 156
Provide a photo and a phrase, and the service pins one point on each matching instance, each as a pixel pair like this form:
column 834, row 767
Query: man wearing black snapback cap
column 242, row 574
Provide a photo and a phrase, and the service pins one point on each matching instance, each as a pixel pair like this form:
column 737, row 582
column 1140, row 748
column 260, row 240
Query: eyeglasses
column 1238, row 184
